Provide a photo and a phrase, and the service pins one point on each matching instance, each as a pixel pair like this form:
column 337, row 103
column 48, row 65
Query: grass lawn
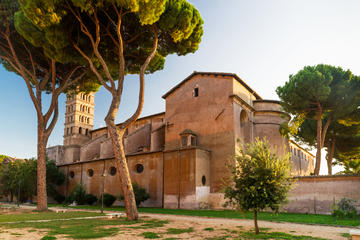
column 280, row 217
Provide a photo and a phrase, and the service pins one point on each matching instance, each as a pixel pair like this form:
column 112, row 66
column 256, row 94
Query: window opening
column 112, row 171
column 196, row 92
column 139, row 168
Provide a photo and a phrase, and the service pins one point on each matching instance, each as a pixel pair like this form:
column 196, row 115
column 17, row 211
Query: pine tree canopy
column 54, row 26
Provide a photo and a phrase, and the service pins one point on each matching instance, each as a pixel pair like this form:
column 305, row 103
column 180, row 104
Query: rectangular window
column 196, row 92
column 193, row 141
column 184, row 141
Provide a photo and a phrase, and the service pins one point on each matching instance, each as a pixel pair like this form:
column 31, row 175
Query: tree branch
column 143, row 68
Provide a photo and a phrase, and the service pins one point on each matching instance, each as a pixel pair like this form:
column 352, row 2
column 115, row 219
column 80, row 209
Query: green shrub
column 108, row 199
column 344, row 208
column 140, row 194
column 59, row 198
column 77, row 195
column 90, row 199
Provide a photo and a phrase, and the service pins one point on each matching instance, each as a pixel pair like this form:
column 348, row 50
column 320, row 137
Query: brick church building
column 178, row 155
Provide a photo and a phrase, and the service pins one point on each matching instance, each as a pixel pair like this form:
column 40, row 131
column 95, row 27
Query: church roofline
column 142, row 118
column 213, row 73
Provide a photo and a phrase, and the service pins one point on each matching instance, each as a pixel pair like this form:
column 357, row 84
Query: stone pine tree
column 260, row 179
column 41, row 75
column 319, row 92
column 116, row 38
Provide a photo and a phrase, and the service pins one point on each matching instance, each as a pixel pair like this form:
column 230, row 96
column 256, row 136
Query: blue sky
column 263, row 41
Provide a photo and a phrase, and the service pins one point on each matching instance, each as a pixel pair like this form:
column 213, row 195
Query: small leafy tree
column 260, row 179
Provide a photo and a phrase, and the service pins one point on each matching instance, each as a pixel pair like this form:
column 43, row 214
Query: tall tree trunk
column 255, row 222
column 331, row 151
column 318, row 142
column 116, row 136
column 41, row 168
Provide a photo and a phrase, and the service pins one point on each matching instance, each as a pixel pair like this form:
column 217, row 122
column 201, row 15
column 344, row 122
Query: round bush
column 108, row 199
column 90, row 199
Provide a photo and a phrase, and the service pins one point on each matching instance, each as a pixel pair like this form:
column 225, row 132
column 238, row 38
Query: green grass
column 280, row 217
column 347, row 235
column 150, row 235
column 179, row 230
column 48, row 238
column 154, row 223
column 44, row 216
column 275, row 236
column 210, row 229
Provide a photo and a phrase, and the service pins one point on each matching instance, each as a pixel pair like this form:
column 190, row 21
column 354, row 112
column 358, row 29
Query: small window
column 112, row 171
column 90, row 172
column 196, row 92
column 184, row 141
column 203, row 180
column 87, row 131
column 72, row 174
column 139, row 168
column 80, row 130
column 193, row 141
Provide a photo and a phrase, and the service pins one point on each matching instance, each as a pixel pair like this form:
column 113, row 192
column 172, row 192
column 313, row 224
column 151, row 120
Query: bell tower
column 79, row 118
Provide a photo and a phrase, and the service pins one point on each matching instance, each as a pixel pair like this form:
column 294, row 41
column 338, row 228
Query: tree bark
column 319, row 142
column 41, row 168
column 116, row 136
column 255, row 222
column 331, row 151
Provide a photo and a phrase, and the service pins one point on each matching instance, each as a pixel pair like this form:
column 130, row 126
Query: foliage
column 344, row 208
column 53, row 25
column 140, row 194
column 18, row 177
column 260, row 179
column 2, row 157
column 21, row 175
column 323, row 93
column 77, row 195
column 90, row 199
column 108, row 199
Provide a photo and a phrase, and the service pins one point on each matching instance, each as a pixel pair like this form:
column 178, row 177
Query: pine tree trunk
column 318, row 143
column 116, row 136
column 41, row 168
column 331, row 156
column 255, row 222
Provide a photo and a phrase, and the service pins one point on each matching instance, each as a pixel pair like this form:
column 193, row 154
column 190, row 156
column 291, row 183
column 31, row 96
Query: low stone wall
column 317, row 194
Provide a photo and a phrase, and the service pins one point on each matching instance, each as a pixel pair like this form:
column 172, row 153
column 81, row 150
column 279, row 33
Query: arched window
column 244, row 127
column 80, row 118
column 88, row 110
column 80, row 130
column 87, row 120
column 87, row 131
